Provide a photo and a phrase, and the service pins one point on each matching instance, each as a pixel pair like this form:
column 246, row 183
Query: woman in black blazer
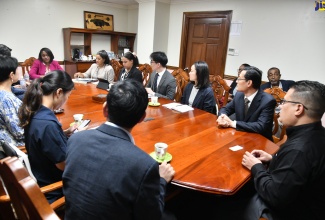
column 199, row 93
column 129, row 71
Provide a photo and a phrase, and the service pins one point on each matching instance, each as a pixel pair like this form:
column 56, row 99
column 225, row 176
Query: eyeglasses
column 152, row 61
column 283, row 101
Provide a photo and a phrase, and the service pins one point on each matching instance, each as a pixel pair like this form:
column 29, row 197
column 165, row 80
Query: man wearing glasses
column 161, row 83
column 293, row 185
column 274, row 80
column 254, row 108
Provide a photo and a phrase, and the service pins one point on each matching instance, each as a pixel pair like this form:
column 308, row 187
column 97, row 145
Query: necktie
column 155, row 83
column 246, row 105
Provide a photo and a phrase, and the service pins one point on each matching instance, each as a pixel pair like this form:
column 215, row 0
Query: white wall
column 29, row 25
column 286, row 34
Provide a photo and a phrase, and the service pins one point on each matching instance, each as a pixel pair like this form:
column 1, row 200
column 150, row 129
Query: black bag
column 7, row 150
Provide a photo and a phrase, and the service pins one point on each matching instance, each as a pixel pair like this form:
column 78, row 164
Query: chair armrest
column 58, row 203
column 22, row 148
column 51, row 187
column 4, row 199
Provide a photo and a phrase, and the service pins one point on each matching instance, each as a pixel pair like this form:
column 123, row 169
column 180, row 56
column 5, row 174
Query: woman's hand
column 78, row 74
column 68, row 132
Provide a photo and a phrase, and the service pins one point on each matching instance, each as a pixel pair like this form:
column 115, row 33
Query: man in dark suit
column 106, row 176
column 274, row 80
column 260, row 106
column 161, row 82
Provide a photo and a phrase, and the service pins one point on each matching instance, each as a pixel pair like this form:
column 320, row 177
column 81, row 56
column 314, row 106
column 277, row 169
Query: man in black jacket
column 293, row 185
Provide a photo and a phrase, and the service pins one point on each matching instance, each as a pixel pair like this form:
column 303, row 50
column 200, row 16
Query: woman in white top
column 101, row 69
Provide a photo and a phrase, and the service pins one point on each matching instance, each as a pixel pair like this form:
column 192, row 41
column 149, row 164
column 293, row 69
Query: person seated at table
column 44, row 64
column 45, row 140
column 115, row 179
column 161, row 83
column 253, row 108
column 15, row 88
column 273, row 74
column 233, row 85
column 130, row 62
column 199, row 93
column 101, row 69
column 10, row 131
column 292, row 185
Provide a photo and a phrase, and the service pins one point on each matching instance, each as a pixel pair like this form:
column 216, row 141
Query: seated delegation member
column 130, row 62
column 45, row 140
column 10, row 131
column 233, row 85
column 273, row 74
column 101, row 69
column 199, row 93
column 292, row 187
column 44, row 64
column 115, row 179
column 258, row 116
column 16, row 90
column 161, row 83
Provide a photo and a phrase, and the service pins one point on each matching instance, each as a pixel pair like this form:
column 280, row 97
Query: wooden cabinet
column 118, row 42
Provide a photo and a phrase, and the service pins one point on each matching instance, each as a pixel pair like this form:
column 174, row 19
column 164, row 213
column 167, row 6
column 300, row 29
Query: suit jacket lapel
column 254, row 105
column 163, row 78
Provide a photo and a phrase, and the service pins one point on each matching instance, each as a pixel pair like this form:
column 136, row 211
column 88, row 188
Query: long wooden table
column 200, row 150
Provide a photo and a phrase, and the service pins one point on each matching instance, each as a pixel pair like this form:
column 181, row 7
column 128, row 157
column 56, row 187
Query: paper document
column 178, row 107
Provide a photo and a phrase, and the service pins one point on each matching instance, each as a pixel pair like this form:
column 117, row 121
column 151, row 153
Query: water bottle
column 26, row 77
column 22, row 83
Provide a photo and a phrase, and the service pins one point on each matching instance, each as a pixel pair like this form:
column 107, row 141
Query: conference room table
column 200, row 150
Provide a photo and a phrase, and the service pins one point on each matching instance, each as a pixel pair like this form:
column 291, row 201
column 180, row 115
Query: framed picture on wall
column 98, row 21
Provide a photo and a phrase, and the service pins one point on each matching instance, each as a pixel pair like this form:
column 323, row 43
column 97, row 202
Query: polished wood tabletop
column 200, row 150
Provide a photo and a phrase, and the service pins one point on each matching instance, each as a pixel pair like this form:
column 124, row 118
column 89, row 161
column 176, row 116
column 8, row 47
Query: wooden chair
column 220, row 89
column 146, row 71
column 27, row 64
column 278, row 94
column 117, row 68
column 27, row 198
column 182, row 79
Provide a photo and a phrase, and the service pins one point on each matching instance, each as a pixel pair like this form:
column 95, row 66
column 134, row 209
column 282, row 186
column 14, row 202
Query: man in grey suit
column 106, row 175
column 161, row 82
column 254, row 108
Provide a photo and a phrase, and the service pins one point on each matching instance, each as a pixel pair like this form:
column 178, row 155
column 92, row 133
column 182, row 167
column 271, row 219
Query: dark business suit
column 259, row 118
column 203, row 100
column 166, row 87
column 107, row 177
column 133, row 74
column 285, row 85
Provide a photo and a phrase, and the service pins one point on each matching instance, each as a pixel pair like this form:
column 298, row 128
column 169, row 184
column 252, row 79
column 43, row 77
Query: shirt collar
column 116, row 126
column 162, row 72
column 251, row 97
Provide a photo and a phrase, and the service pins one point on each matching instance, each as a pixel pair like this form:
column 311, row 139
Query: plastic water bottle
column 26, row 77
column 22, row 83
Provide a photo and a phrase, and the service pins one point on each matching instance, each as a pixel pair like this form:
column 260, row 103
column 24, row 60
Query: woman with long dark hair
column 199, row 93
column 45, row 140
column 129, row 71
column 101, row 69
column 44, row 64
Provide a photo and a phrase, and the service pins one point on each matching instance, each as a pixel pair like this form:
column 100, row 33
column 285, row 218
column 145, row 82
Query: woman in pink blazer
column 44, row 64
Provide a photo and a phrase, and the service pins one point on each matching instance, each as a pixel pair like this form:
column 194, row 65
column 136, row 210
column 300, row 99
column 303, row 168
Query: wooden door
column 205, row 37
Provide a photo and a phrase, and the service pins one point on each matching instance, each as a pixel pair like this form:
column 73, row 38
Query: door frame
column 203, row 14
